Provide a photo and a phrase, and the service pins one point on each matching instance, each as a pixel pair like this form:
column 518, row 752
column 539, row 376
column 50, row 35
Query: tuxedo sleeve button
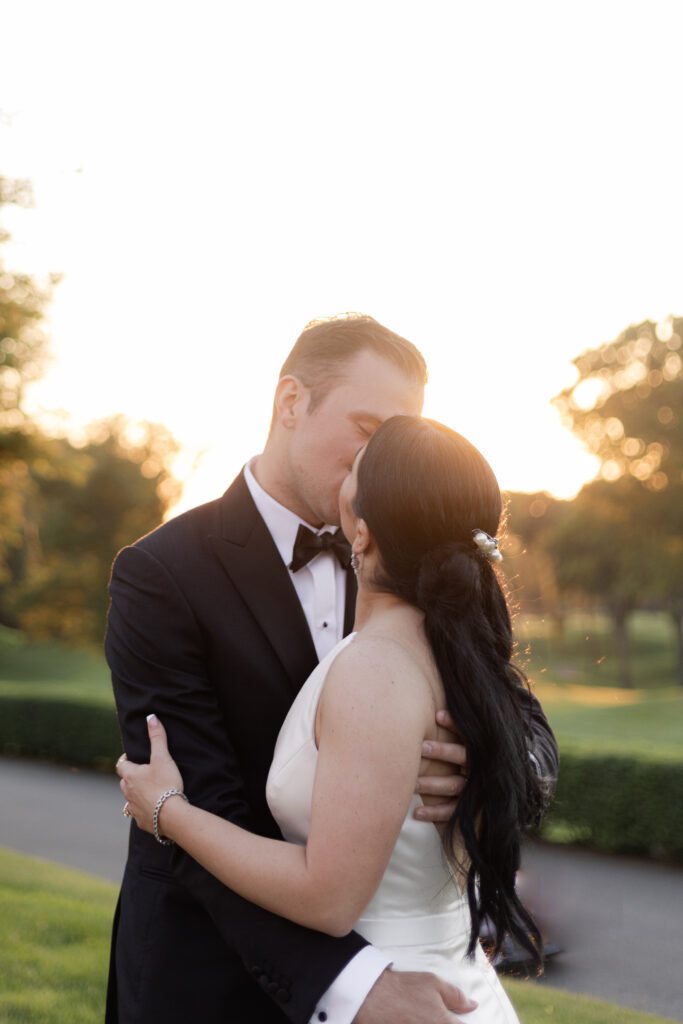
column 282, row 995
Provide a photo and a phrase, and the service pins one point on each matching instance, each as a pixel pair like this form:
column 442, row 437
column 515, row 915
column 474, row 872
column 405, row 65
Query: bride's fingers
column 127, row 770
column 157, row 739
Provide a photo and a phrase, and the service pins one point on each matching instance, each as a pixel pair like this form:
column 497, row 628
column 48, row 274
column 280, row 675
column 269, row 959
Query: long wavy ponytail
column 423, row 490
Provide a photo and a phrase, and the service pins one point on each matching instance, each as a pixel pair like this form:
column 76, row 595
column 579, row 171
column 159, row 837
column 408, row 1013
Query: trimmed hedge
column 60, row 730
column 624, row 804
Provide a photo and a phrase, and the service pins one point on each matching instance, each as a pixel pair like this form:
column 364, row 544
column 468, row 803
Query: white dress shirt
column 321, row 589
column 320, row 584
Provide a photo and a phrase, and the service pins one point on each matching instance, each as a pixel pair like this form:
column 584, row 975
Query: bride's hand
column 143, row 784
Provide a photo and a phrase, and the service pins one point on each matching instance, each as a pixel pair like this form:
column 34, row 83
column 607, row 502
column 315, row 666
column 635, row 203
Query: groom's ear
column 291, row 399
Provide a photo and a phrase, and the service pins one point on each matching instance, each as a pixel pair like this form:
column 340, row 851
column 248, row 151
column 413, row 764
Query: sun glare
column 201, row 219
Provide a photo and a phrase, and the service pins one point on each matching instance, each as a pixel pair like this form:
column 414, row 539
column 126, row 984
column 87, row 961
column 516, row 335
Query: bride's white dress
column 418, row 914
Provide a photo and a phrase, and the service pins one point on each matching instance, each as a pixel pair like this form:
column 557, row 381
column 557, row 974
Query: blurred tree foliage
column 528, row 567
column 622, row 538
column 82, row 505
column 23, row 344
column 618, row 545
column 627, row 404
column 603, row 546
column 23, row 302
column 65, row 508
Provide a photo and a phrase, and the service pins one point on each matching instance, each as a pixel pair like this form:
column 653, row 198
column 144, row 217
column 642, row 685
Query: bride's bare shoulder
column 380, row 658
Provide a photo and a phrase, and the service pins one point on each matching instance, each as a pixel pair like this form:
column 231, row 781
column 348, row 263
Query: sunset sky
column 498, row 182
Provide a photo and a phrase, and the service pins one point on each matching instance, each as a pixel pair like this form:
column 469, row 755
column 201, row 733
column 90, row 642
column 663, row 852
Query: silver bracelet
column 159, row 804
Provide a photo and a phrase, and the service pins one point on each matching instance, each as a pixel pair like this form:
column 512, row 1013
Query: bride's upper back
column 392, row 643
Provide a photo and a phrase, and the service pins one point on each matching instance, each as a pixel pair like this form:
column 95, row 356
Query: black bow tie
column 309, row 544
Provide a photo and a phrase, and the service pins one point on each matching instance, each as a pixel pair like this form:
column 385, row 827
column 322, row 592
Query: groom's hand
column 445, row 787
column 410, row 997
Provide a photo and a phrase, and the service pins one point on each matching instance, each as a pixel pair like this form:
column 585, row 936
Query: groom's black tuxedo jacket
column 206, row 631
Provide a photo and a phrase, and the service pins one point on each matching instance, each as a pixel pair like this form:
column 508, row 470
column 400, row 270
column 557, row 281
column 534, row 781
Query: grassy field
column 52, row 670
column 615, row 721
column 536, row 1004
column 583, row 651
column 573, row 676
column 55, row 925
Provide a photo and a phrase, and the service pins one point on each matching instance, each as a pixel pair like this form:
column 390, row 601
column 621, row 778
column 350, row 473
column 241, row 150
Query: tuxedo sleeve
column 157, row 655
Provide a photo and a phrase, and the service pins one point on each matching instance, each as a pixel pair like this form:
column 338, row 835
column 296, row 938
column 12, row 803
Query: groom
column 215, row 622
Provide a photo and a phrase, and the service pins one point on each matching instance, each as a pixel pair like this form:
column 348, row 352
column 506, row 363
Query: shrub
column 59, row 730
column 628, row 803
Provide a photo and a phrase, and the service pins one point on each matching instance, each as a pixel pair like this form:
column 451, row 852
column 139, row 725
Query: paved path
column 71, row 816
column 619, row 921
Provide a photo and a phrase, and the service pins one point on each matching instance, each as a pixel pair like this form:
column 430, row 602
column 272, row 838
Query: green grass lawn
column 54, row 670
column 581, row 656
column 536, row 1004
column 55, row 925
column 583, row 652
column 575, row 678
column 585, row 718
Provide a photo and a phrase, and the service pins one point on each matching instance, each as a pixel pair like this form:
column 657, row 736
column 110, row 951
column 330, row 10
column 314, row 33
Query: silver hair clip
column 487, row 545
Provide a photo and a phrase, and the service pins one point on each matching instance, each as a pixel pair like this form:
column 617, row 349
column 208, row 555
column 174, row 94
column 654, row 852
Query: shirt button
column 324, row 625
column 322, row 1015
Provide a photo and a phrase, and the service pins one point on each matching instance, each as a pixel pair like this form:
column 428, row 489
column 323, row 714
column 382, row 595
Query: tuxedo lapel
column 248, row 554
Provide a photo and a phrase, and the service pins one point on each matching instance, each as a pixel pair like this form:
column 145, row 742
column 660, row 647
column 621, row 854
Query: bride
column 421, row 508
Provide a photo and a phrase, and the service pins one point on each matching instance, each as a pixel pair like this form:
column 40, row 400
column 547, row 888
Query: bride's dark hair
column 422, row 490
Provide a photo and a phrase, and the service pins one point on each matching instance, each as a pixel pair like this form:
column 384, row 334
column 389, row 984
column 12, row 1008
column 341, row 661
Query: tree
column 601, row 552
column 65, row 509
column 23, row 346
column 665, row 529
column 531, row 578
column 85, row 504
column 23, row 301
column 627, row 404
column 627, row 408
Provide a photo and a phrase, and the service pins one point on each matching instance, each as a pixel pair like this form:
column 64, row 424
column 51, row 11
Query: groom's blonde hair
column 327, row 344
